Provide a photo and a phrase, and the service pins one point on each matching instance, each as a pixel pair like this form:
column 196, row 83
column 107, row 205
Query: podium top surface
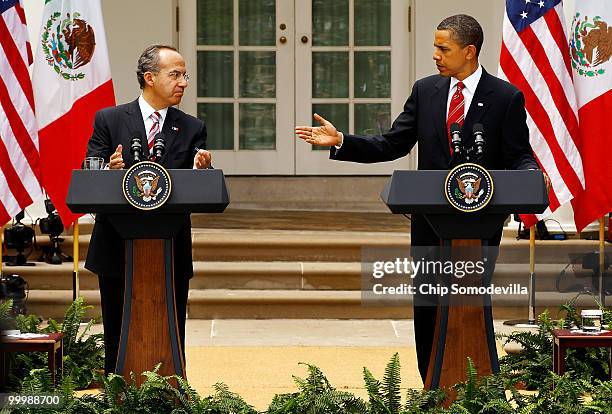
column 422, row 192
column 193, row 191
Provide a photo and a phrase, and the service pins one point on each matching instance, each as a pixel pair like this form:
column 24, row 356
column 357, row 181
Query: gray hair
column 149, row 62
column 464, row 29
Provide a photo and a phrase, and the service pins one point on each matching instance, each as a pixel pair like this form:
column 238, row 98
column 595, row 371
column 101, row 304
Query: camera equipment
column 53, row 226
column 18, row 237
column 14, row 287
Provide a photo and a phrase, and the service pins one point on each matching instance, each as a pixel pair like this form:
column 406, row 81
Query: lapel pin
column 175, row 129
column 480, row 104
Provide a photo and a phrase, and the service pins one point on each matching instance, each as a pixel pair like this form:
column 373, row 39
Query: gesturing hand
column 116, row 159
column 325, row 135
column 202, row 159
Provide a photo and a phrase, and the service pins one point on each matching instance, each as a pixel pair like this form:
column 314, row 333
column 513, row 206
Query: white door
column 352, row 68
column 260, row 67
column 241, row 64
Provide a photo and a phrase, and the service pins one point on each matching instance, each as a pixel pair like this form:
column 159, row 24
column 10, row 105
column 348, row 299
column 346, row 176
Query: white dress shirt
column 147, row 110
column 470, row 83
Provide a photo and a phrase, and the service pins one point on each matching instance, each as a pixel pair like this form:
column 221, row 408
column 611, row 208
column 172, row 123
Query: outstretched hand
column 116, row 159
column 324, row 135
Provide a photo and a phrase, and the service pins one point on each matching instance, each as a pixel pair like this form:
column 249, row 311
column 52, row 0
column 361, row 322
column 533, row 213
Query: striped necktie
column 155, row 116
column 455, row 111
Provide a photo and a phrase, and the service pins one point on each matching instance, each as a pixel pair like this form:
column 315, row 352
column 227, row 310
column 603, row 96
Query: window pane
column 372, row 23
column 372, row 119
column 258, row 74
column 330, row 22
column 372, row 75
column 330, row 74
column 257, row 22
column 337, row 114
column 219, row 119
column 215, row 22
column 257, row 126
column 216, row 74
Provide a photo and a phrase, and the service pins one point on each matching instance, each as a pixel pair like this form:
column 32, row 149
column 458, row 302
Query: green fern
column 391, row 384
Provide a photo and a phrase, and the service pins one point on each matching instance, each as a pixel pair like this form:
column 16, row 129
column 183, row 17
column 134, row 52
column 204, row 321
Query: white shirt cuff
column 341, row 140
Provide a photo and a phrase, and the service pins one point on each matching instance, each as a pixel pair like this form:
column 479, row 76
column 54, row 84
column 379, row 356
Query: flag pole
column 75, row 259
column 530, row 322
column 602, row 261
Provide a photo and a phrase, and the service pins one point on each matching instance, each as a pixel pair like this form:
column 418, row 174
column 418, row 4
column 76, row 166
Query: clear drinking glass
column 93, row 163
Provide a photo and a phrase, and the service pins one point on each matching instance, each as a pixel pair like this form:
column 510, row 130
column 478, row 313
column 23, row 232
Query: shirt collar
column 147, row 109
column 471, row 82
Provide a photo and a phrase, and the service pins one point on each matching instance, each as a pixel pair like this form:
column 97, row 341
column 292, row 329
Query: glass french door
column 241, row 63
column 260, row 67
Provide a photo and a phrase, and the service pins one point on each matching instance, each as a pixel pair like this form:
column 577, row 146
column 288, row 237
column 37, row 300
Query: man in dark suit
column 162, row 77
column 426, row 118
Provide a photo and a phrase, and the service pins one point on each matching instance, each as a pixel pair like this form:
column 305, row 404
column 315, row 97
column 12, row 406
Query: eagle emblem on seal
column 468, row 188
column 147, row 186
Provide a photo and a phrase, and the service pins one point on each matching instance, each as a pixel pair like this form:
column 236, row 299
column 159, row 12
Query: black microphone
column 455, row 130
column 479, row 141
column 159, row 146
column 136, row 148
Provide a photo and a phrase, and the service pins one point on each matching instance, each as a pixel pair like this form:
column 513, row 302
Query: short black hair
column 464, row 29
column 149, row 62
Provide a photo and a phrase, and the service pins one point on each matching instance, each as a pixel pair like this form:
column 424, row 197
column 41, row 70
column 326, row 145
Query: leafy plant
column 7, row 321
column 83, row 353
column 385, row 396
column 533, row 364
column 316, row 396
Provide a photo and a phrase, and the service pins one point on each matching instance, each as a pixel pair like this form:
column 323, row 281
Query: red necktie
column 155, row 116
column 455, row 111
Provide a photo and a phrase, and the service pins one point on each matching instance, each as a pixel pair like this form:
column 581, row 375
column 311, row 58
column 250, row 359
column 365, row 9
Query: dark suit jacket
column 118, row 125
column 423, row 120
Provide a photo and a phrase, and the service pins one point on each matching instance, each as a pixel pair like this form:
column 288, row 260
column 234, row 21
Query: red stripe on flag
column 17, row 64
column 540, row 118
column 19, row 130
column 4, row 218
column 63, row 145
column 12, row 178
column 596, row 151
column 20, row 13
column 538, row 54
column 558, row 33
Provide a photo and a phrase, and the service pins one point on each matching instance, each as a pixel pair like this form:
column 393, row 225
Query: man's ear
column 471, row 52
column 148, row 78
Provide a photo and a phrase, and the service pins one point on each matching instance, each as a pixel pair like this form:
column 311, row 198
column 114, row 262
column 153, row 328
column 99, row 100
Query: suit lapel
column 440, row 99
column 171, row 129
column 135, row 126
column 482, row 99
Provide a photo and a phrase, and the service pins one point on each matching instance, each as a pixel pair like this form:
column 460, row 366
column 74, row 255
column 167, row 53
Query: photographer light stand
column 18, row 237
column 53, row 226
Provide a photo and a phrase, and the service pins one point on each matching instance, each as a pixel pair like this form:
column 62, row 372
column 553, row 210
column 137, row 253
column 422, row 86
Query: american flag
column 535, row 58
column 19, row 156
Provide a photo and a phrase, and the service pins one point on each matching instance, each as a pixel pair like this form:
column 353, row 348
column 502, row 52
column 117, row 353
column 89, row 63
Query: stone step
column 294, row 276
column 293, row 304
column 330, row 246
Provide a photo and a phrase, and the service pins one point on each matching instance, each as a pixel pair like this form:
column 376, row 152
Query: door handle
column 283, row 39
column 304, row 39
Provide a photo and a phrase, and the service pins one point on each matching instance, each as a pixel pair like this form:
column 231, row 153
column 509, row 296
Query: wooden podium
column 149, row 331
column 464, row 326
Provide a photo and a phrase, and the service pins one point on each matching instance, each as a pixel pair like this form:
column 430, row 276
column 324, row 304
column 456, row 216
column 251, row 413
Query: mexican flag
column 591, row 57
column 71, row 81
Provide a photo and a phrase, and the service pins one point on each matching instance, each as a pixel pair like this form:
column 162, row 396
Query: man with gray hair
column 462, row 93
column 163, row 78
